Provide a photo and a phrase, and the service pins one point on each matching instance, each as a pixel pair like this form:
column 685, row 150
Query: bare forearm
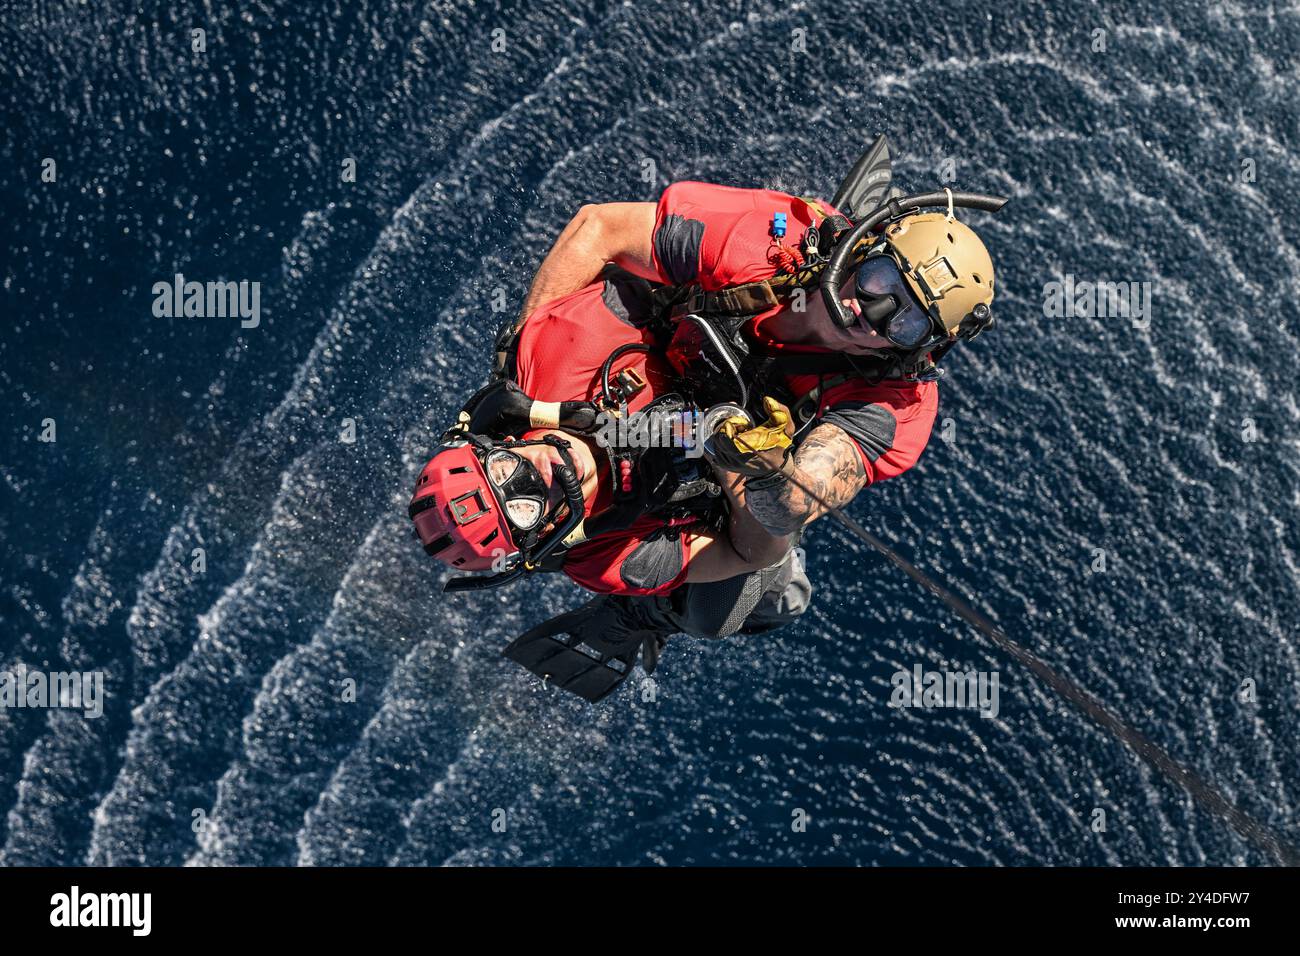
column 785, row 508
column 828, row 473
column 749, row 537
column 573, row 262
column 617, row 232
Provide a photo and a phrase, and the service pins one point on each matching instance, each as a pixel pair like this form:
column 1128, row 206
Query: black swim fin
column 866, row 187
column 591, row 651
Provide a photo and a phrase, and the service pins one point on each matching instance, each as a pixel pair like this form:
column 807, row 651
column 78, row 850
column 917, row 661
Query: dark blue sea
column 1170, row 450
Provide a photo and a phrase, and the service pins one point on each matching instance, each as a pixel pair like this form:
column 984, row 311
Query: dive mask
column 518, row 486
column 888, row 306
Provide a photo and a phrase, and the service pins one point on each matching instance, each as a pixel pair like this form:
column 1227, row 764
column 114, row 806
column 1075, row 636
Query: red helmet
column 457, row 516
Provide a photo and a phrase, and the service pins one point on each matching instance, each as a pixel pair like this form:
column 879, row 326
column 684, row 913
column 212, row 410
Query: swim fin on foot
column 590, row 651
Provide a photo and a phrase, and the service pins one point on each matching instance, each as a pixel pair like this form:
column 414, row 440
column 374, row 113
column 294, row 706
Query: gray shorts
column 748, row 604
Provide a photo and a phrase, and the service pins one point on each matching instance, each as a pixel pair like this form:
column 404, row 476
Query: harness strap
column 746, row 299
column 738, row 300
column 808, row 405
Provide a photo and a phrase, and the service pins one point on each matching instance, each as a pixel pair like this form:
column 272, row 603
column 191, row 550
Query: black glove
column 503, row 408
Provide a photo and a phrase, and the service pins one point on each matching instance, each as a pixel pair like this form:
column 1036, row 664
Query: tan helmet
column 944, row 263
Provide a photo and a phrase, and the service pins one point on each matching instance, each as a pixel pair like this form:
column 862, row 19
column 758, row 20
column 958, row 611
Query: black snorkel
column 844, row 255
column 530, row 558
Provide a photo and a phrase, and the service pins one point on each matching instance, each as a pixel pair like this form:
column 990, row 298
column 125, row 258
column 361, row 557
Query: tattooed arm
column 827, row 464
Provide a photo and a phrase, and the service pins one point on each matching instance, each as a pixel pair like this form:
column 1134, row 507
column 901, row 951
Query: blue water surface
column 1147, row 142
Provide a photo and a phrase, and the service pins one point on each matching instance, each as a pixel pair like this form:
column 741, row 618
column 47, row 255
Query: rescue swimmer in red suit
column 843, row 407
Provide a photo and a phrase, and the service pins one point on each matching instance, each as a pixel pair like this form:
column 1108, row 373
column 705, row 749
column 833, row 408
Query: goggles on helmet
column 888, row 306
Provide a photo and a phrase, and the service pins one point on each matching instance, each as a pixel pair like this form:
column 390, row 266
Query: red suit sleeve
column 719, row 236
column 890, row 422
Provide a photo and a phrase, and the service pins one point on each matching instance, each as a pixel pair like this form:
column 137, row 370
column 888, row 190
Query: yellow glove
column 754, row 449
